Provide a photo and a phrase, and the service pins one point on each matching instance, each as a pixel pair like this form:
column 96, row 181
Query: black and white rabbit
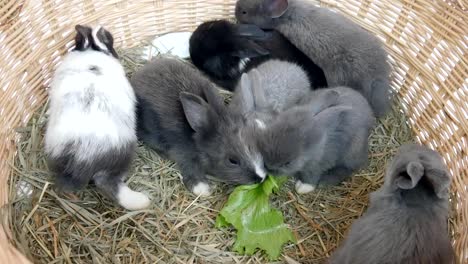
column 406, row 221
column 321, row 141
column 90, row 135
column 224, row 50
column 184, row 118
column 348, row 54
column 271, row 88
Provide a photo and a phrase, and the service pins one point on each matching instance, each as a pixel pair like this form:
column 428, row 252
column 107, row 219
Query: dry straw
column 425, row 38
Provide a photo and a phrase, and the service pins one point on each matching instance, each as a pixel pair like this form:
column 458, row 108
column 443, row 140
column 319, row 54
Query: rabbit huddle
column 283, row 118
column 307, row 87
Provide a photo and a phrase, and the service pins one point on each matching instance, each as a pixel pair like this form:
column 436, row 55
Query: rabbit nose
column 257, row 179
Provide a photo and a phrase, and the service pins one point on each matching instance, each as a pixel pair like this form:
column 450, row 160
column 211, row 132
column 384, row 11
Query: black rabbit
column 224, row 50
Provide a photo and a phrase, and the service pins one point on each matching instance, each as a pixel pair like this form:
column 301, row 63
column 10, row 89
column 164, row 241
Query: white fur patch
column 303, row 188
column 94, row 110
column 86, row 43
column 256, row 159
column 96, row 39
column 243, row 64
column 132, row 200
column 259, row 169
column 201, row 189
column 260, row 124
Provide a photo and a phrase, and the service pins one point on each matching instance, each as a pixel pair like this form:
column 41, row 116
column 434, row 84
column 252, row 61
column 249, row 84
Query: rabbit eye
column 233, row 161
column 286, row 164
column 244, row 12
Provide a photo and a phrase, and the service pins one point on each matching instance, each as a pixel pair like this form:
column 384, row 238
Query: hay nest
column 179, row 227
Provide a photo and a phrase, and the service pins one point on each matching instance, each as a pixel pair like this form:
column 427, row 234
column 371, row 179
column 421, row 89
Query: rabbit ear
column 410, row 178
column 82, row 38
column 243, row 100
column 196, row 111
column 104, row 40
column 276, row 8
column 257, row 89
column 249, row 49
column 440, row 181
column 250, row 31
column 317, row 125
column 213, row 98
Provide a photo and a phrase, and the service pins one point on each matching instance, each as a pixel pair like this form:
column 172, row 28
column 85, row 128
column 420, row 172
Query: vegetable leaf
column 258, row 225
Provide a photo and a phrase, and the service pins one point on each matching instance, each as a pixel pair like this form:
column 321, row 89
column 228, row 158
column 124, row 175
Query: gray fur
column 348, row 54
column 321, row 141
column 271, row 88
column 404, row 223
column 182, row 116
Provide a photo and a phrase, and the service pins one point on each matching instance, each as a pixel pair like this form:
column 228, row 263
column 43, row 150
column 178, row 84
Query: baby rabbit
column 224, row 50
column 90, row 135
column 182, row 116
column 406, row 221
column 271, row 88
column 348, row 54
column 321, row 141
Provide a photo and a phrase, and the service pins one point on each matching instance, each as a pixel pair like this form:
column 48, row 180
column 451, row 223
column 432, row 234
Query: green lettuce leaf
column 258, row 225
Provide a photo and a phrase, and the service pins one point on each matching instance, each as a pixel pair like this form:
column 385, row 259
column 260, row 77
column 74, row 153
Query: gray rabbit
column 321, row 141
column 182, row 116
column 347, row 54
column 271, row 88
column 406, row 221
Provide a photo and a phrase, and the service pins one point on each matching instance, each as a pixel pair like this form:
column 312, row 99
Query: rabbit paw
column 201, row 189
column 303, row 188
column 132, row 200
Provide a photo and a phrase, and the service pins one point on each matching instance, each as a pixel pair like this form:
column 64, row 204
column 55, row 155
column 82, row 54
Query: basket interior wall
column 427, row 41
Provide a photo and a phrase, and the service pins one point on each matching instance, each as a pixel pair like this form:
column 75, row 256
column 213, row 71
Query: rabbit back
column 406, row 221
column 283, row 84
column 354, row 129
column 92, row 105
column 395, row 235
column 161, row 119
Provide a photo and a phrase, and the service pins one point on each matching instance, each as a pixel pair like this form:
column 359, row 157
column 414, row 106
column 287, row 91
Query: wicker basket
column 425, row 38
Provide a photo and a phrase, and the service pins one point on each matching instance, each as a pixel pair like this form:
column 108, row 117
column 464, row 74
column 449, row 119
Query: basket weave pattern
column 427, row 41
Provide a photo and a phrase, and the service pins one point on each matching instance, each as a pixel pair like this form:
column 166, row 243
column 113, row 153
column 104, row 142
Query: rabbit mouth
column 274, row 172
